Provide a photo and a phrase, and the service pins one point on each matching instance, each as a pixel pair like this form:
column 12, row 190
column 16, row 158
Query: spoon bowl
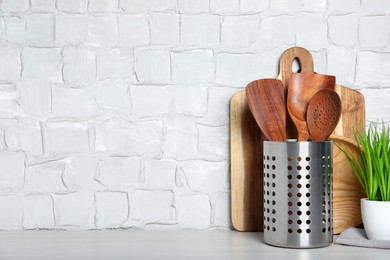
column 302, row 87
column 323, row 114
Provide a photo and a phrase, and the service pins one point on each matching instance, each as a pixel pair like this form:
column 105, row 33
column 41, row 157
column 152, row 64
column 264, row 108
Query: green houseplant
column 371, row 165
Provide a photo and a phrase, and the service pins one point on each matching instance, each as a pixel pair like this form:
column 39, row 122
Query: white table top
column 131, row 244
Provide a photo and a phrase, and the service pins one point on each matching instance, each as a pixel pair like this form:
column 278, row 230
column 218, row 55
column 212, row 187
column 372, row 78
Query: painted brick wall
column 114, row 113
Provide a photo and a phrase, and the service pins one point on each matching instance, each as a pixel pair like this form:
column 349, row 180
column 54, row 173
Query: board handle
column 304, row 58
column 305, row 61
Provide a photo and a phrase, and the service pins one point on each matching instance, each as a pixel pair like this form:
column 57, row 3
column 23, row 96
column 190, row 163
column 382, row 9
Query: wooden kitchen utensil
column 266, row 101
column 301, row 88
column 247, row 152
column 323, row 114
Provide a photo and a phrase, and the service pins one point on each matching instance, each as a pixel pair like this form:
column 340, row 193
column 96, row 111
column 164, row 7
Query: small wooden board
column 247, row 152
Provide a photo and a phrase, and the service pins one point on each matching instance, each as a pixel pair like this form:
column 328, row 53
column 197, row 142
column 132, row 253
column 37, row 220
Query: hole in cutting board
column 296, row 66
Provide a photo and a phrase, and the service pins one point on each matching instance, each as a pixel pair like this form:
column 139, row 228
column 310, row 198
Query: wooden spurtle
column 266, row 101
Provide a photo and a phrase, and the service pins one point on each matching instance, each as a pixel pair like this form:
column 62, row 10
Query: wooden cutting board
column 247, row 152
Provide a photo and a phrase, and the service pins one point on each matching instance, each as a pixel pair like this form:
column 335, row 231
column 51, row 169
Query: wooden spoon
column 266, row 101
column 305, row 61
column 323, row 114
column 301, row 88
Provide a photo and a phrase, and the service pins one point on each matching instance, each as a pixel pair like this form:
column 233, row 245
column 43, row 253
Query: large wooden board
column 246, row 166
column 247, row 153
column 347, row 191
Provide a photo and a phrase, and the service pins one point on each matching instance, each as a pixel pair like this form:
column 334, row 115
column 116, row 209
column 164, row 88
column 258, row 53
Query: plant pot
column 376, row 219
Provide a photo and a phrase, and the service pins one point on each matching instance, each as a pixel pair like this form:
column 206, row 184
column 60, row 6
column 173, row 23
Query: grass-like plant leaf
column 371, row 164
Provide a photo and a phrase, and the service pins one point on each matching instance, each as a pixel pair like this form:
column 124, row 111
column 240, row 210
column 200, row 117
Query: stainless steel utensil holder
column 298, row 194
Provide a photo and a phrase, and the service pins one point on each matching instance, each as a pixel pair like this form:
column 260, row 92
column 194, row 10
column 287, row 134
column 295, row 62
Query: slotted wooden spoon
column 301, row 88
column 323, row 114
column 266, row 101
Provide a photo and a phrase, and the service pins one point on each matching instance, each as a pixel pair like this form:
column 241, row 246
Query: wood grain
column 301, row 89
column 305, row 61
column 246, row 166
column 302, row 56
column 323, row 114
column 347, row 191
column 266, row 101
column 353, row 116
column 247, row 152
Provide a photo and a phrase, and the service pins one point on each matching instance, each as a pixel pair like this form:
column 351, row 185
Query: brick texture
column 115, row 113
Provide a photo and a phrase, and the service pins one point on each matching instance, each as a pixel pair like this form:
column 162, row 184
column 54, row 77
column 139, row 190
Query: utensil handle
column 300, row 54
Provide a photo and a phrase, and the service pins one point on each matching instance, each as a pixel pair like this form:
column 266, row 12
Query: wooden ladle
column 323, row 114
column 266, row 101
column 301, row 88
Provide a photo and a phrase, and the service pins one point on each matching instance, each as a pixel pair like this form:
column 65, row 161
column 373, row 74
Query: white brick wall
column 149, row 206
column 74, row 210
column 11, row 218
column 160, row 173
column 67, row 137
column 16, row 30
column 11, row 67
column 164, row 28
column 103, row 6
column 194, row 211
column 71, row 29
column 80, row 173
column 79, row 65
column 12, row 171
column 43, row 5
column 153, row 66
column 9, row 99
column 240, row 31
column 40, row 29
column 45, row 177
column 344, row 29
column 133, row 30
column 102, row 31
column 35, row 97
column 181, row 138
column 10, row 6
column 374, row 32
column 38, row 212
column 112, row 209
column 115, row 113
column 42, row 63
column 73, row 6
column 26, row 135
column 193, row 67
column 117, row 171
column 200, row 30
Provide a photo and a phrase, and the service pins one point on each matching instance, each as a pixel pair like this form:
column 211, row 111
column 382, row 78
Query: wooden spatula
column 301, row 88
column 323, row 114
column 266, row 101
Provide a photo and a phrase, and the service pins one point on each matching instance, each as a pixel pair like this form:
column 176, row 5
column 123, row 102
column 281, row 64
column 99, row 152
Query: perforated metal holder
column 298, row 194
